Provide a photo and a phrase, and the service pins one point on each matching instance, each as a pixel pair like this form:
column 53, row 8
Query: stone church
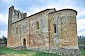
column 50, row 30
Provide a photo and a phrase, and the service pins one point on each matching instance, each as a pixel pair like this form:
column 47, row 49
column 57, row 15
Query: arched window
column 37, row 25
column 18, row 15
column 16, row 30
column 54, row 26
column 21, row 16
column 24, row 42
column 14, row 13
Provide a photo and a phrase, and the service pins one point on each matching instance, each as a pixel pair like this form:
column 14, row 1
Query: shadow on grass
column 45, row 54
column 5, row 50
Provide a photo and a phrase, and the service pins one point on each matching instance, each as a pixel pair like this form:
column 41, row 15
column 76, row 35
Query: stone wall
column 66, row 30
column 1, row 45
column 15, row 15
column 18, row 32
column 39, row 38
column 26, row 29
column 39, row 33
column 66, row 52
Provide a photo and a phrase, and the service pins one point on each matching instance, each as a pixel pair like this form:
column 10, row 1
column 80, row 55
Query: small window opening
column 16, row 30
column 37, row 25
column 21, row 15
column 18, row 15
column 54, row 28
column 14, row 12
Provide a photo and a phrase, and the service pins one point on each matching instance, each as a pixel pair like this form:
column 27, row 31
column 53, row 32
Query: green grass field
column 83, row 52
column 4, row 50
column 81, row 45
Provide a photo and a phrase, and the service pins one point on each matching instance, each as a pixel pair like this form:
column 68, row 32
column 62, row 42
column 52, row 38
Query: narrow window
column 16, row 30
column 15, row 13
column 24, row 42
column 18, row 15
column 21, row 16
column 37, row 25
column 54, row 28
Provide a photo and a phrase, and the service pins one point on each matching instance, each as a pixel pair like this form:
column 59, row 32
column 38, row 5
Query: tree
column 4, row 39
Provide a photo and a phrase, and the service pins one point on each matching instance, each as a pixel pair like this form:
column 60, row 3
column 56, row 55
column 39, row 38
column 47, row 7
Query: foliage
column 81, row 40
column 4, row 39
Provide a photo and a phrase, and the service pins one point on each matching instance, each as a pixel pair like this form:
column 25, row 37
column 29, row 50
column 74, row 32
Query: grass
column 81, row 45
column 83, row 52
column 5, row 50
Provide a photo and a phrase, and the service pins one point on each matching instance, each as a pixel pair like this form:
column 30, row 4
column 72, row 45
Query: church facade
column 48, row 30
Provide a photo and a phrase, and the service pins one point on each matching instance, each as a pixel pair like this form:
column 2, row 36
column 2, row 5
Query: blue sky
column 33, row 6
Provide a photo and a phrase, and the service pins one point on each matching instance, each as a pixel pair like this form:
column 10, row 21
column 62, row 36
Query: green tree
column 5, row 39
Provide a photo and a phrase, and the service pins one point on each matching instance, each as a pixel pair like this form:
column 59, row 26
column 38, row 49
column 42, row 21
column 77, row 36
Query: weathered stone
column 68, row 52
column 48, row 31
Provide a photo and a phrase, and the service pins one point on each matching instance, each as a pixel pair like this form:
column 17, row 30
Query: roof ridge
column 64, row 9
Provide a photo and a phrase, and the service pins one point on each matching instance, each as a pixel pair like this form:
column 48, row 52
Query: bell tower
column 11, row 9
column 15, row 15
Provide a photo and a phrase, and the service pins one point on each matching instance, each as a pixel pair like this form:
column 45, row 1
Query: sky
column 33, row 6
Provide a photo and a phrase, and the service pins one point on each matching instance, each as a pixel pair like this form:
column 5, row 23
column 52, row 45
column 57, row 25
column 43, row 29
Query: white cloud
column 80, row 27
column 4, row 18
column 80, row 22
column 51, row 4
column 28, row 14
column 3, row 33
column 8, row 1
column 81, row 12
column 34, row 10
column 81, row 33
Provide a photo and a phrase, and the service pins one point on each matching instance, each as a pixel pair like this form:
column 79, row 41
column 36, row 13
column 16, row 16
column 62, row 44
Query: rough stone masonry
column 48, row 31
